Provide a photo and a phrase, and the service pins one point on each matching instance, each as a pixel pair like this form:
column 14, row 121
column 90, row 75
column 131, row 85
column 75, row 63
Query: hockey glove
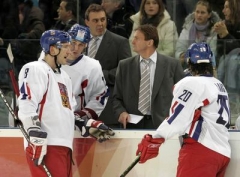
column 93, row 128
column 37, row 147
column 149, row 147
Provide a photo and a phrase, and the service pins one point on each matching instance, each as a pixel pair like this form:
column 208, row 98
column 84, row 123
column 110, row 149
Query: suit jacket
column 64, row 27
column 126, row 92
column 112, row 49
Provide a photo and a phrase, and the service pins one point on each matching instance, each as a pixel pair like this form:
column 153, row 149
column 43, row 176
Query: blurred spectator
column 228, row 30
column 9, row 21
column 47, row 7
column 67, row 15
column 27, row 46
column 9, row 26
column 217, row 6
column 153, row 12
column 179, row 9
column 117, row 17
column 55, row 6
column 197, row 28
column 109, row 48
column 135, row 4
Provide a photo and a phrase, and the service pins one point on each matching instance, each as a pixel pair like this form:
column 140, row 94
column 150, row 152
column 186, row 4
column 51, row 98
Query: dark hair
column 94, row 8
column 234, row 6
column 156, row 19
column 150, row 32
column 71, row 5
column 200, row 68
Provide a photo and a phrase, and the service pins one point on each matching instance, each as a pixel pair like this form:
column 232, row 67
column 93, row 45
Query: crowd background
column 22, row 23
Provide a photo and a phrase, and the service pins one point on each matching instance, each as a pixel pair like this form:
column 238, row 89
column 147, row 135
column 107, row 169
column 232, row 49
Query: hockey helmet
column 199, row 53
column 80, row 33
column 53, row 37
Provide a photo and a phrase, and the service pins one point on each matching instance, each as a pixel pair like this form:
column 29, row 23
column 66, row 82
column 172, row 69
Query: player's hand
column 93, row 128
column 149, row 147
column 37, row 147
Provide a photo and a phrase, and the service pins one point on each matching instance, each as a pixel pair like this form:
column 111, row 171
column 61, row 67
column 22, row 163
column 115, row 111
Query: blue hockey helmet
column 199, row 53
column 80, row 33
column 53, row 37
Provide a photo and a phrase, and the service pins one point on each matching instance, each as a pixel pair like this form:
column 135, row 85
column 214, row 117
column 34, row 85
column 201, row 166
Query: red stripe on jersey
column 42, row 102
column 84, row 84
column 205, row 102
column 173, row 106
column 28, row 92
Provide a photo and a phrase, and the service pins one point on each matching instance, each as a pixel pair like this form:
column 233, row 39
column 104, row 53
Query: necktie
column 144, row 91
column 93, row 48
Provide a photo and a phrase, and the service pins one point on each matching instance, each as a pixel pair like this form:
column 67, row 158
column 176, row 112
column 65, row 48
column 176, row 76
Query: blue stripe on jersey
column 23, row 92
column 103, row 98
column 177, row 110
column 198, row 129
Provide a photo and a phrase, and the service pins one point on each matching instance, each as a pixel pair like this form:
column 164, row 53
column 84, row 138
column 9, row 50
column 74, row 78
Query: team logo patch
column 80, row 35
column 64, row 95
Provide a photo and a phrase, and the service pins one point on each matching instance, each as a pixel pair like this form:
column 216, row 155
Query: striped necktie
column 144, row 91
column 93, row 48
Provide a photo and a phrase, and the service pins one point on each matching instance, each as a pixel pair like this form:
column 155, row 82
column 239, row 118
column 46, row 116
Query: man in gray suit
column 164, row 73
column 109, row 49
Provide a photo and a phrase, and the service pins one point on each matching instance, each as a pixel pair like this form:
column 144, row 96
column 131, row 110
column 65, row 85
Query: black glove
column 93, row 128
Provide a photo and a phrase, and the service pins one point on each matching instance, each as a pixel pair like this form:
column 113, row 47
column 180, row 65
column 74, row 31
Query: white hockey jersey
column 48, row 95
column 89, row 86
column 211, row 129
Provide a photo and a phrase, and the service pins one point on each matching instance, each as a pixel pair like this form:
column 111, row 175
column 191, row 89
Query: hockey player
column 200, row 114
column 89, row 86
column 46, row 105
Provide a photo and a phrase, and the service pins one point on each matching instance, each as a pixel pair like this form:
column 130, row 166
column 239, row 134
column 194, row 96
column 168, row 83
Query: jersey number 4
column 222, row 101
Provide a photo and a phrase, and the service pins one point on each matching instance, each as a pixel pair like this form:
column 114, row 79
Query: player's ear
column 53, row 50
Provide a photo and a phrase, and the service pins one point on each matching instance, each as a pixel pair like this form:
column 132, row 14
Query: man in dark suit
column 109, row 50
column 164, row 73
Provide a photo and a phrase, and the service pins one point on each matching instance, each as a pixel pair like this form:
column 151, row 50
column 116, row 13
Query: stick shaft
column 19, row 123
column 129, row 168
column 14, row 82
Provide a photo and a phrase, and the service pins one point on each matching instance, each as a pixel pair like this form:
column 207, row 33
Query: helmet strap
column 58, row 66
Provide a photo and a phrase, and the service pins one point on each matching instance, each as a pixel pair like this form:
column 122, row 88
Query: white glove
column 37, row 147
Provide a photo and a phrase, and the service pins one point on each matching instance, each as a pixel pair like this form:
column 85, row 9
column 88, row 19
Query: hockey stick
column 11, row 71
column 129, row 168
column 13, row 79
column 19, row 123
